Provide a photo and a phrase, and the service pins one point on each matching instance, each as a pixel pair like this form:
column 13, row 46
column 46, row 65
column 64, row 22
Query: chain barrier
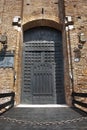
column 23, row 122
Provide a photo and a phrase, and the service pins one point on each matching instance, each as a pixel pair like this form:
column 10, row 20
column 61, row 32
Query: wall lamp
column 82, row 40
column 77, row 51
column 17, row 23
column 77, row 54
column 3, row 41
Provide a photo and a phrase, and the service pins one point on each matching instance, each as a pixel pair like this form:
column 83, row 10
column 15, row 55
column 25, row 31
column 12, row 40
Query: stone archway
column 42, row 22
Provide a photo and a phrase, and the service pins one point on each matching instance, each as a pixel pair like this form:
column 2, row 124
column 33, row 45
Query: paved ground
column 43, row 119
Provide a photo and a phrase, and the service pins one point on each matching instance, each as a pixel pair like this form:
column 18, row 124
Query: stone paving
column 43, row 119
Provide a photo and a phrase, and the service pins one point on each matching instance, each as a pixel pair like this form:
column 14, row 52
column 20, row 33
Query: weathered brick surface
column 9, row 9
column 46, row 14
column 78, row 11
column 33, row 10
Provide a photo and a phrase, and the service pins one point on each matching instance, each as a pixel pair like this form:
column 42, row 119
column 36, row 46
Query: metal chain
column 23, row 122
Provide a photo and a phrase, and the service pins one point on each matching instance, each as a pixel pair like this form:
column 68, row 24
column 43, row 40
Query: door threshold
column 41, row 106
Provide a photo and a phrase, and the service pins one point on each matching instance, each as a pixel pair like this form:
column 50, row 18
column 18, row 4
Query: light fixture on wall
column 82, row 38
column 77, row 51
column 69, row 23
column 3, row 38
column 17, row 23
column 77, row 54
column 3, row 41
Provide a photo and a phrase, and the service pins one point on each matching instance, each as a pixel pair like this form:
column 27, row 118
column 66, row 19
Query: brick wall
column 9, row 9
column 78, row 11
column 33, row 10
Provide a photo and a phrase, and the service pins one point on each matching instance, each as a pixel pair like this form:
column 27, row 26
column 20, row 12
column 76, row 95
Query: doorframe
column 57, row 26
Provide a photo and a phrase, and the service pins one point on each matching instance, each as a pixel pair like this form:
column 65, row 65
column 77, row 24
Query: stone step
column 43, row 119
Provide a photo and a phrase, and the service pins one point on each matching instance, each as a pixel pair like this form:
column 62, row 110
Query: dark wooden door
column 42, row 67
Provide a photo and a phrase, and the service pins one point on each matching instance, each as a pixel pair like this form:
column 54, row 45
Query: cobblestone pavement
column 64, row 118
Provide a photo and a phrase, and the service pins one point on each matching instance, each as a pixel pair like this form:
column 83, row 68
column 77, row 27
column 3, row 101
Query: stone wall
column 78, row 11
column 33, row 10
column 8, row 10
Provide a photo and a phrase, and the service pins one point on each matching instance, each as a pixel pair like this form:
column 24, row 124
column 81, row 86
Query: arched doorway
column 43, row 67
